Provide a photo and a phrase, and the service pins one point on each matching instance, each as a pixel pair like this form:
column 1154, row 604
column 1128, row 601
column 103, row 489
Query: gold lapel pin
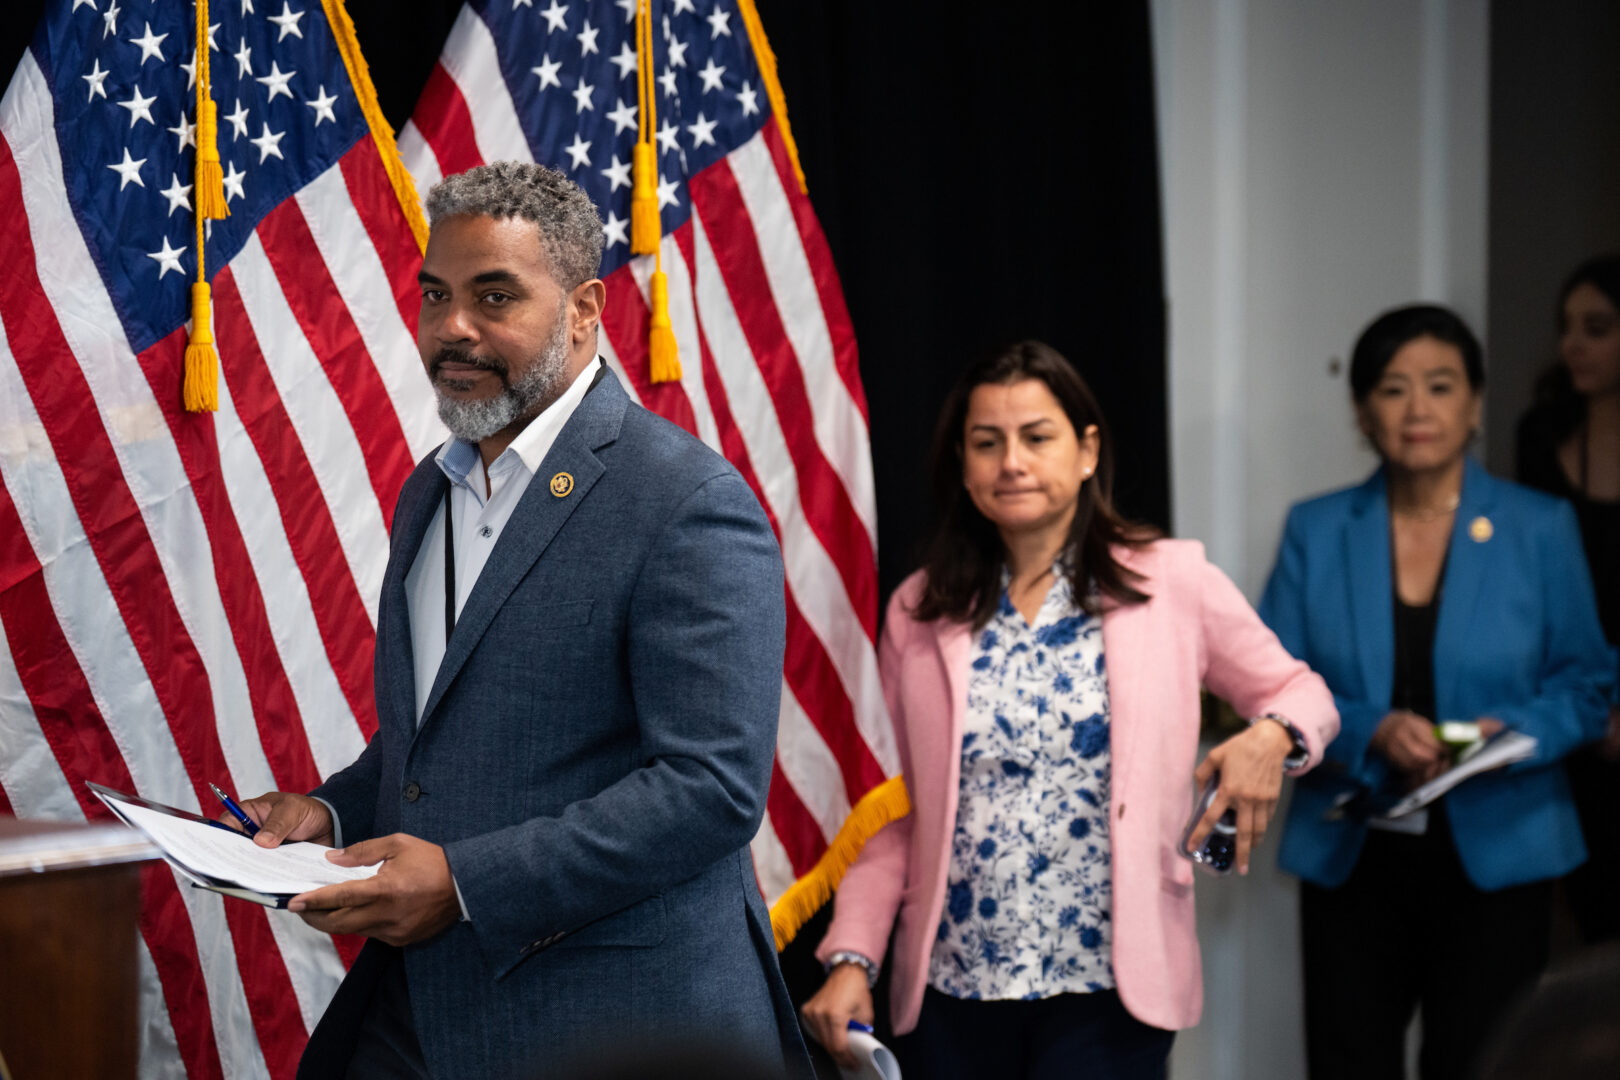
column 562, row 484
column 1481, row 529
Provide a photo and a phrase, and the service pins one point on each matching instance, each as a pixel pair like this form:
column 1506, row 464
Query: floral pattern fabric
column 1028, row 914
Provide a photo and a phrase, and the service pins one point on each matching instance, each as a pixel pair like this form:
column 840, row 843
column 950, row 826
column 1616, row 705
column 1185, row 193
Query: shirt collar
column 457, row 458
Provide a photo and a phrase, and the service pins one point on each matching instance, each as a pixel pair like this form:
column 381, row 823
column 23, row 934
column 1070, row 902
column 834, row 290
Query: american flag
column 769, row 373
column 188, row 598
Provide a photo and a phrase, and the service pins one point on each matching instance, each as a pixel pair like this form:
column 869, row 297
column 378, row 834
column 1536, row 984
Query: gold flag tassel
column 664, row 362
column 646, row 227
column 200, row 385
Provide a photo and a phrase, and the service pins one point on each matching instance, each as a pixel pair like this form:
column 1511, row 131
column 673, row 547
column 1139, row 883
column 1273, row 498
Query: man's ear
column 585, row 306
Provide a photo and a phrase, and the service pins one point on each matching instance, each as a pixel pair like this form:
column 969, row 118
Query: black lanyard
column 449, row 570
column 450, row 539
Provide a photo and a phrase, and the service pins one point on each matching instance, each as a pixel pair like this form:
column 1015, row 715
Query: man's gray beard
column 531, row 394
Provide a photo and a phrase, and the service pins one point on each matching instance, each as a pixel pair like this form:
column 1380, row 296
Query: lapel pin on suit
column 562, row 484
column 1481, row 529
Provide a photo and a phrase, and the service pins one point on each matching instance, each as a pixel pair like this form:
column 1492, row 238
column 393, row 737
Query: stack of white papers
column 875, row 1061
column 228, row 861
column 1504, row 749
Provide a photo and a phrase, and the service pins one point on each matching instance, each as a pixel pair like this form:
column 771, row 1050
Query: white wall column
column 1321, row 163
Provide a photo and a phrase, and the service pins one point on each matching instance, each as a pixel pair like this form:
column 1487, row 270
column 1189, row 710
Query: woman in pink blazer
column 1043, row 672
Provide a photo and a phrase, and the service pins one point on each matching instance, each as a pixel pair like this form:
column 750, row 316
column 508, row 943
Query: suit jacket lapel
column 1372, row 587
column 538, row 517
column 410, row 529
column 1468, row 560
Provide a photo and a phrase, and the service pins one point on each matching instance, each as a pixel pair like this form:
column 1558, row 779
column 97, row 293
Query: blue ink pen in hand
column 236, row 811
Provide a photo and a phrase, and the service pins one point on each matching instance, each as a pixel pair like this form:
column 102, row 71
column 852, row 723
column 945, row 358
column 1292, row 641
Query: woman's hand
column 1251, row 768
column 1409, row 742
column 845, row 996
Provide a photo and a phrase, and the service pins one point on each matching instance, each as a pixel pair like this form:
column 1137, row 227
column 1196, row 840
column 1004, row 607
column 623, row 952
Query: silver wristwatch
column 1301, row 752
column 859, row 960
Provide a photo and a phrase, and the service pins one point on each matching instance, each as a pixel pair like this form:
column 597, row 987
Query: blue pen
column 236, row 811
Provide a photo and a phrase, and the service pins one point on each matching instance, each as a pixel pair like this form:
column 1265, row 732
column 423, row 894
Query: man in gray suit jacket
column 577, row 684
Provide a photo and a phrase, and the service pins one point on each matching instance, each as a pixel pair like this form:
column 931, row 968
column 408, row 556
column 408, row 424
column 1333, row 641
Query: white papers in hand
column 1503, row 749
column 216, row 856
column 874, row 1060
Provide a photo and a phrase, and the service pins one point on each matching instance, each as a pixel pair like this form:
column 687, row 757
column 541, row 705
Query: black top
column 1539, row 467
column 1414, row 656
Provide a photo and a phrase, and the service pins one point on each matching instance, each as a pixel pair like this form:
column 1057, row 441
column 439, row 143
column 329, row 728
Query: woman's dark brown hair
column 963, row 557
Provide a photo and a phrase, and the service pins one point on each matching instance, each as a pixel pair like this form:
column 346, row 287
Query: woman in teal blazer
column 1432, row 591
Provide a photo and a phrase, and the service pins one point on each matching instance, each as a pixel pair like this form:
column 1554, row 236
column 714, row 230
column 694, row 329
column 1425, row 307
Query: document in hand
column 1502, row 750
column 214, row 856
column 874, row 1060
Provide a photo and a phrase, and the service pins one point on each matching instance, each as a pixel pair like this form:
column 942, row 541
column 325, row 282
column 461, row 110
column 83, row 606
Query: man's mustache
column 461, row 356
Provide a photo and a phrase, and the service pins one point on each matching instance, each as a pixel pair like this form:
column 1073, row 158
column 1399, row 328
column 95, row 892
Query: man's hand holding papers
column 284, row 816
column 411, row 897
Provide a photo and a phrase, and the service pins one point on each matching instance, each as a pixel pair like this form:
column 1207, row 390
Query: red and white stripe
column 157, row 567
column 769, row 379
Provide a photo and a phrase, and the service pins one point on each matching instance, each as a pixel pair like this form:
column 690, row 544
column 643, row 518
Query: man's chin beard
column 530, row 395
column 474, row 421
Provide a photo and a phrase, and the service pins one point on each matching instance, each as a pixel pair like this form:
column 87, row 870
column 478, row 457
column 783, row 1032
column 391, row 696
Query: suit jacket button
column 413, row 791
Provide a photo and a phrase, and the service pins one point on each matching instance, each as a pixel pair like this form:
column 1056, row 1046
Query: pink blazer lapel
column 955, row 648
column 1122, row 629
column 955, row 653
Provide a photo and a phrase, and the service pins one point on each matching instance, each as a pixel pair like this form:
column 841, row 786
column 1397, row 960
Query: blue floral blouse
column 1028, row 912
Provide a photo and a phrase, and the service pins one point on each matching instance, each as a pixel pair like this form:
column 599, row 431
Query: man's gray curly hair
column 570, row 230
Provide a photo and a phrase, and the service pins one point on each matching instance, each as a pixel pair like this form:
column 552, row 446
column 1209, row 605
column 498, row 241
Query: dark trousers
column 1408, row 929
column 1069, row 1035
column 385, row 1046
column 1593, row 887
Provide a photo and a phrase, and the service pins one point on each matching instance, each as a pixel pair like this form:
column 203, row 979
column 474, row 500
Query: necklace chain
column 1431, row 513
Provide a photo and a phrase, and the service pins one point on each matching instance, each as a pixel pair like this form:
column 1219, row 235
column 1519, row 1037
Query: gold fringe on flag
column 337, row 16
column 199, row 387
column 773, row 86
column 885, row 803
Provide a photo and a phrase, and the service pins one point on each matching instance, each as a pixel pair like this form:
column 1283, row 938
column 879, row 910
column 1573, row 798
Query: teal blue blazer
column 1517, row 637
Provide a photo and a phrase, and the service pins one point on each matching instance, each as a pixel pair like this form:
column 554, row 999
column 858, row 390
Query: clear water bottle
column 1219, row 849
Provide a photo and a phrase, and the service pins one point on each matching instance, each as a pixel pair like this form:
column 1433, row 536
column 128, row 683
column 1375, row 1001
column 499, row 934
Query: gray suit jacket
column 593, row 757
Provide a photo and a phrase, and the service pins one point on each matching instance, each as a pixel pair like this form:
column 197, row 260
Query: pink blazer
column 1197, row 629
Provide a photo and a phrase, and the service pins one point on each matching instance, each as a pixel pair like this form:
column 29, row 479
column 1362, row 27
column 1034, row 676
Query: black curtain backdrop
column 983, row 175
